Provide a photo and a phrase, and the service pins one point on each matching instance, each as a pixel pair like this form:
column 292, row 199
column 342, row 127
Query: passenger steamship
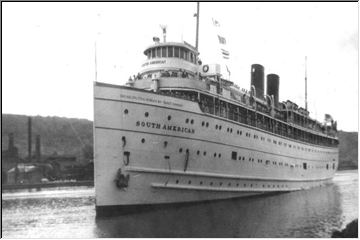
column 180, row 132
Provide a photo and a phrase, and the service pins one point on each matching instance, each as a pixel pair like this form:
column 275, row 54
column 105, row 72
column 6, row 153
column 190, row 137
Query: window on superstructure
column 191, row 57
column 148, row 54
column 176, row 53
column 153, row 53
column 182, row 53
column 305, row 166
column 163, row 52
column 170, row 51
column 158, row 52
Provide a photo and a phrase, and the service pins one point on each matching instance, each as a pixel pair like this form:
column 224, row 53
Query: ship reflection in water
column 70, row 213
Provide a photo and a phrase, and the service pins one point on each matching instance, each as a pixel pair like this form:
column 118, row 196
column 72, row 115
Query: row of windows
column 171, row 51
column 239, row 132
column 241, row 114
column 234, row 156
column 237, row 184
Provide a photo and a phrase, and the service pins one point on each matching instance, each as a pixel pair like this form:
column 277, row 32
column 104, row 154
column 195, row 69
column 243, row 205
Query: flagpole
column 95, row 64
column 197, row 27
column 306, row 107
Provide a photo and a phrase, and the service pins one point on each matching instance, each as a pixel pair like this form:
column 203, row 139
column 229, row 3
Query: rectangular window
column 186, row 55
column 163, row 52
column 176, row 54
column 158, row 52
column 305, row 166
column 170, row 51
column 182, row 53
column 148, row 54
column 153, row 52
column 234, row 155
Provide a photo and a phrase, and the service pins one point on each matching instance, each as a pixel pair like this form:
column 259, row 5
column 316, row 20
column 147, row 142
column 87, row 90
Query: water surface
column 70, row 213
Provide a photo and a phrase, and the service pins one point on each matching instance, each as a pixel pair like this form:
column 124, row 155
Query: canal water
column 70, row 213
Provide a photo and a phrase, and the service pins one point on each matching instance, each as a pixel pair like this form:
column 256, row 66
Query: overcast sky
column 49, row 50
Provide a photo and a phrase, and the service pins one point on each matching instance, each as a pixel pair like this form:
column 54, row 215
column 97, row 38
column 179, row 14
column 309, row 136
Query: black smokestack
column 29, row 138
column 37, row 148
column 257, row 79
column 273, row 82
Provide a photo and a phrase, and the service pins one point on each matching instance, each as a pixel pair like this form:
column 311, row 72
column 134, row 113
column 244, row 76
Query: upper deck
column 173, row 67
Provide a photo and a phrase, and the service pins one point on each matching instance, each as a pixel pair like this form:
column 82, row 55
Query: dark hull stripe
column 118, row 210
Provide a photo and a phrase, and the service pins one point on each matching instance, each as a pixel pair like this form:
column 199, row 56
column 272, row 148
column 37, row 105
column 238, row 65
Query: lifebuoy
column 205, row 68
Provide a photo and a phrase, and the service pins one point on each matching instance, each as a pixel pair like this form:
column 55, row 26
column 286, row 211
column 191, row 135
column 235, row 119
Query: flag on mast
column 222, row 45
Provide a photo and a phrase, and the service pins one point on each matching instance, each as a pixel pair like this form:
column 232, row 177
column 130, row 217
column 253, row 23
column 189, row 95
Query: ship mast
column 197, row 26
column 306, row 83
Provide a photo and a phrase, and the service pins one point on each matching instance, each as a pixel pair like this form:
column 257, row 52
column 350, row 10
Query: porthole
column 214, row 154
column 143, row 140
column 211, row 183
column 227, row 129
column 180, row 150
column 189, row 181
column 202, row 123
column 169, row 117
column 187, row 150
column 237, row 132
column 229, row 184
column 165, row 144
column 216, row 126
column 192, row 121
column 146, row 114
column 177, row 181
column 207, row 124
column 220, row 127
column 205, row 153
column 198, row 152
column 237, row 184
column 240, row 132
column 187, row 120
column 201, row 183
column 219, row 155
column 220, row 183
column 230, row 130
column 126, row 111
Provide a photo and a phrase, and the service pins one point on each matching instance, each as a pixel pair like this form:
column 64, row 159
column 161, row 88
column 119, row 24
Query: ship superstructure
column 179, row 132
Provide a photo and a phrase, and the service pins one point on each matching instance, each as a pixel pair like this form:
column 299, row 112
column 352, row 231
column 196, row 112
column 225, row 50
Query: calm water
column 70, row 213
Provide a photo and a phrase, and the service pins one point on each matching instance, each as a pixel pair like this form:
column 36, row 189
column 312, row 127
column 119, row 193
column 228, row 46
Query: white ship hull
column 169, row 151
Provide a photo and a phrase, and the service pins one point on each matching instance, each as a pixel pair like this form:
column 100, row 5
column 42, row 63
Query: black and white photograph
column 179, row 119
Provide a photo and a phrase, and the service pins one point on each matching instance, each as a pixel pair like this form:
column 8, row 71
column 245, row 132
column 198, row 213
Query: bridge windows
column 176, row 51
column 163, row 52
column 170, row 51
